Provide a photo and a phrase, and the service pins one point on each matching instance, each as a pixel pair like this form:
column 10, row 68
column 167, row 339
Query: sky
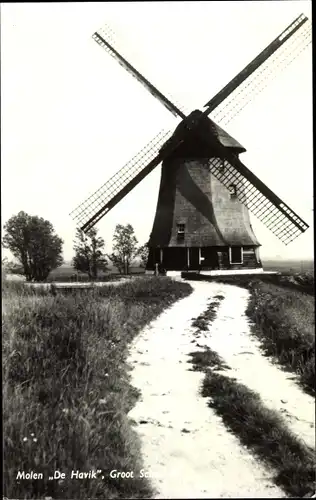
column 71, row 116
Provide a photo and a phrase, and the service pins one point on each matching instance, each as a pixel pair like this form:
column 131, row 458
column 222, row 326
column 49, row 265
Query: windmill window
column 181, row 231
column 233, row 190
column 218, row 165
column 236, row 255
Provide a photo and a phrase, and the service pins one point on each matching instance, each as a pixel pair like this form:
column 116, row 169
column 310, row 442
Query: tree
column 143, row 252
column 34, row 243
column 124, row 247
column 89, row 257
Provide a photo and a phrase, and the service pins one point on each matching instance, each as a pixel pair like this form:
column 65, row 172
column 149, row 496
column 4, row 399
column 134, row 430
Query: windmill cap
column 227, row 140
column 207, row 128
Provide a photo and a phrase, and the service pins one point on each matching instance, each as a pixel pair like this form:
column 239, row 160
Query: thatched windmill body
column 202, row 218
column 199, row 223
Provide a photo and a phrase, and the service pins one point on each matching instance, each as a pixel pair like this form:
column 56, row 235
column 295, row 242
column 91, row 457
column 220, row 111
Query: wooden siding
column 215, row 258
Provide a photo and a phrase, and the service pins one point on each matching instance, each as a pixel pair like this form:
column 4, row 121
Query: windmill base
column 222, row 272
column 231, row 272
column 212, row 261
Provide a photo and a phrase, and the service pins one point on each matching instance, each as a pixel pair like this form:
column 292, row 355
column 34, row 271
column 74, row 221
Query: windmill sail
column 256, row 62
column 249, row 82
column 259, row 199
column 88, row 213
column 104, row 39
column 240, row 97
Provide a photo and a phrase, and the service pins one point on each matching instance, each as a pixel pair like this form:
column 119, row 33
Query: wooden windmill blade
column 276, row 56
column 242, row 95
column 104, row 38
column 261, row 58
column 88, row 213
column 262, row 202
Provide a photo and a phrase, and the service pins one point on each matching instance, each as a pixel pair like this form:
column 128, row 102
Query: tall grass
column 285, row 323
column 67, row 389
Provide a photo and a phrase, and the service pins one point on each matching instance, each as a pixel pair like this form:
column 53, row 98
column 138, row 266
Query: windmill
column 202, row 218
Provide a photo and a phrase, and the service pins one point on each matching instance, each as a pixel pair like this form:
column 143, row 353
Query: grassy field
column 289, row 266
column 66, row 273
column 284, row 320
column 66, row 387
column 258, row 428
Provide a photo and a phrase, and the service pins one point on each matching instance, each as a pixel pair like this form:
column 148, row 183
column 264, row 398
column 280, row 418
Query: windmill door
column 175, row 258
column 209, row 258
column 194, row 259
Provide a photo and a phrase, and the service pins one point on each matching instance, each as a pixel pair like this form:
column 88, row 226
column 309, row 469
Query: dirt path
column 279, row 390
column 187, row 450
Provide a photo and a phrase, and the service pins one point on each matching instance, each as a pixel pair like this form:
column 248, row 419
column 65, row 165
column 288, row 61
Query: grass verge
column 66, row 387
column 263, row 432
column 284, row 321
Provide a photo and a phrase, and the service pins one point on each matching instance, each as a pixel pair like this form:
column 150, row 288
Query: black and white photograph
column 158, row 304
